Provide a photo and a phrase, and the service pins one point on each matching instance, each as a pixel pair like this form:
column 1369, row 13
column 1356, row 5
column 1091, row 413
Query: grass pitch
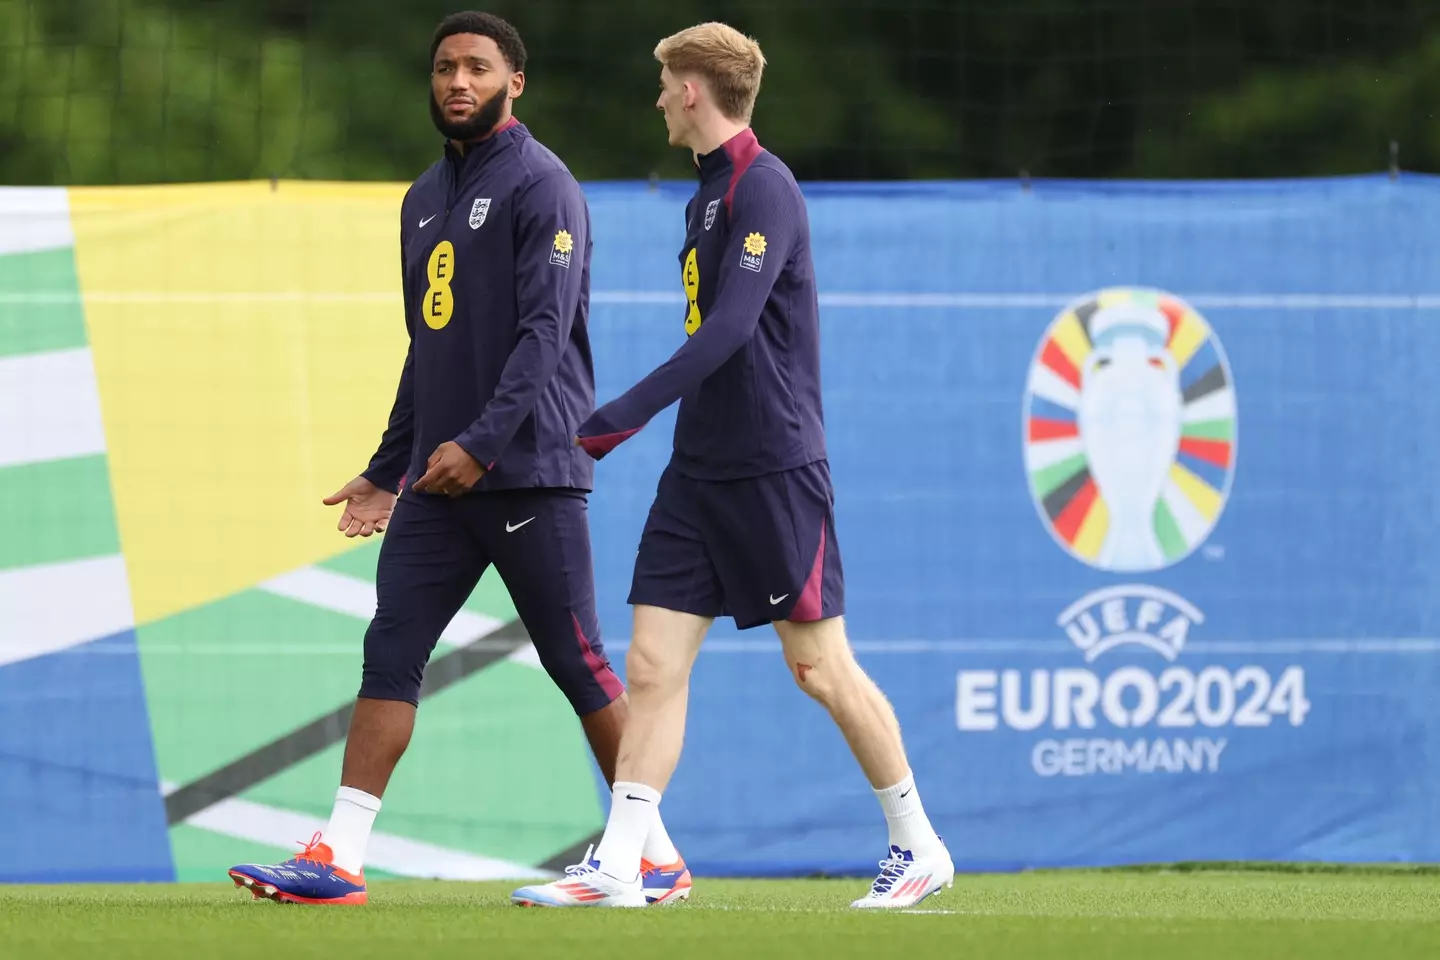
column 1212, row 914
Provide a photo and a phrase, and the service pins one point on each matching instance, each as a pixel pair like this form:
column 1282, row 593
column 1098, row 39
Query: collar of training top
column 476, row 149
column 738, row 151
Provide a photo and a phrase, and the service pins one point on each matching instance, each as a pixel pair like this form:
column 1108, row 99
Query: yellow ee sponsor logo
column 439, row 303
column 690, row 276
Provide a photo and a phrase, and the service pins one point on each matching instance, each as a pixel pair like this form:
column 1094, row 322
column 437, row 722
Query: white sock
column 634, row 809
column 909, row 827
column 349, row 828
column 658, row 849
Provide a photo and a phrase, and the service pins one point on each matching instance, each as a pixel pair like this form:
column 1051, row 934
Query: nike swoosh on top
column 510, row 529
column 428, row 219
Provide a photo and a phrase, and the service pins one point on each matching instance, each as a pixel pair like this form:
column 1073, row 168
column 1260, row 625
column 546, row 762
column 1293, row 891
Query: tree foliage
column 137, row 91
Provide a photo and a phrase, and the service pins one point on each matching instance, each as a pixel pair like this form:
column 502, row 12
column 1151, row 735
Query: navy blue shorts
column 758, row 550
column 435, row 550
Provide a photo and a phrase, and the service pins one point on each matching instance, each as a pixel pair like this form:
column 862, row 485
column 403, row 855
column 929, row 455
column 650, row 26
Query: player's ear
column 517, row 84
column 692, row 94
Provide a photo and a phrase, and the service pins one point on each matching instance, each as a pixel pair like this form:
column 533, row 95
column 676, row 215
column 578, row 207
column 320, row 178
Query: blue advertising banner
column 1136, row 499
column 1137, row 507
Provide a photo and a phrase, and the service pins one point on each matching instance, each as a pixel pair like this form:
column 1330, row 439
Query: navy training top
column 495, row 257
column 748, row 374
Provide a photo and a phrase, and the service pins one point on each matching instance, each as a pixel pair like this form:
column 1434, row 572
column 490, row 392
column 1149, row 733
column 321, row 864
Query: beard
column 477, row 125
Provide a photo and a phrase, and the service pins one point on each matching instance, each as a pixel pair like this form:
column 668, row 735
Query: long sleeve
column 552, row 228
column 764, row 225
column 387, row 466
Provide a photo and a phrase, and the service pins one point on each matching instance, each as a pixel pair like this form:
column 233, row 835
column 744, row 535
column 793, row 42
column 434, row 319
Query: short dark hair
column 506, row 37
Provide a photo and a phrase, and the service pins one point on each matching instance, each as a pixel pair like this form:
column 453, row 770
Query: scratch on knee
column 800, row 670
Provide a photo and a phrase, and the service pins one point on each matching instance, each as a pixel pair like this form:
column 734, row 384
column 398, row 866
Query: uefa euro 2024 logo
column 1130, row 430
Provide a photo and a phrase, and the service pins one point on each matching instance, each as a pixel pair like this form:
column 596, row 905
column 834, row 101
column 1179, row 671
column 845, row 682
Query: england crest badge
column 478, row 212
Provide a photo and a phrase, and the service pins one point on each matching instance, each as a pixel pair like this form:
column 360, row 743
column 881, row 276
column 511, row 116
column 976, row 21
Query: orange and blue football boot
column 308, row 877
column 665, row 884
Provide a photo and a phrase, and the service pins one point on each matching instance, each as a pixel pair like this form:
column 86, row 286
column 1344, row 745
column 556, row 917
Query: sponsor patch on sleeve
column 753, row 255
column 560, row 250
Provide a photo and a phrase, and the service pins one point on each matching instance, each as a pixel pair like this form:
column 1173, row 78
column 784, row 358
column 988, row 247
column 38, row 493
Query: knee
column 585, row 678
column 827, row 680
column 393, row 668
column 653, row 670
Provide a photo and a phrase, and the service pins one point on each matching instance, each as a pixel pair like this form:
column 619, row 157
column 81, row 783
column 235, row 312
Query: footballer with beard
column 495, row 258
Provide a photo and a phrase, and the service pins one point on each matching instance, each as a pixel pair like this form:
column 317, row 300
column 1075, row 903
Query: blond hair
column 730, row 61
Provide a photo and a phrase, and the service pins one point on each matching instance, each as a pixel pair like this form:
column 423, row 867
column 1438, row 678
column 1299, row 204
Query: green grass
column 1215, row 915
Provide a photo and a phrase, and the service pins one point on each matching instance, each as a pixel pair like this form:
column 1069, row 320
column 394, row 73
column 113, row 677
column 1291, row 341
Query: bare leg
column 379, row 733
column 657, row 668
column 603, row 729
column 381, row 729
column 823, row 665
column 662, row 651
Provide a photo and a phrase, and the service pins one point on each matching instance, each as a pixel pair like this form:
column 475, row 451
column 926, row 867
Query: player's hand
column 597, row 436
column 367, row 508
column 450, row 470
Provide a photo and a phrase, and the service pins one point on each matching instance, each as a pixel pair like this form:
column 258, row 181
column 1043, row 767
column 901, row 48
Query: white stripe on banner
column 274, row 827
column 354, row 597
column 911, row 647
column 199, row 296
column 1201, row 301
column 1049, row 385
column 1217, row 406
column 771, row 648
column 34, row 218
column 51, row 607
column 49, row 407
column 890, row 300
